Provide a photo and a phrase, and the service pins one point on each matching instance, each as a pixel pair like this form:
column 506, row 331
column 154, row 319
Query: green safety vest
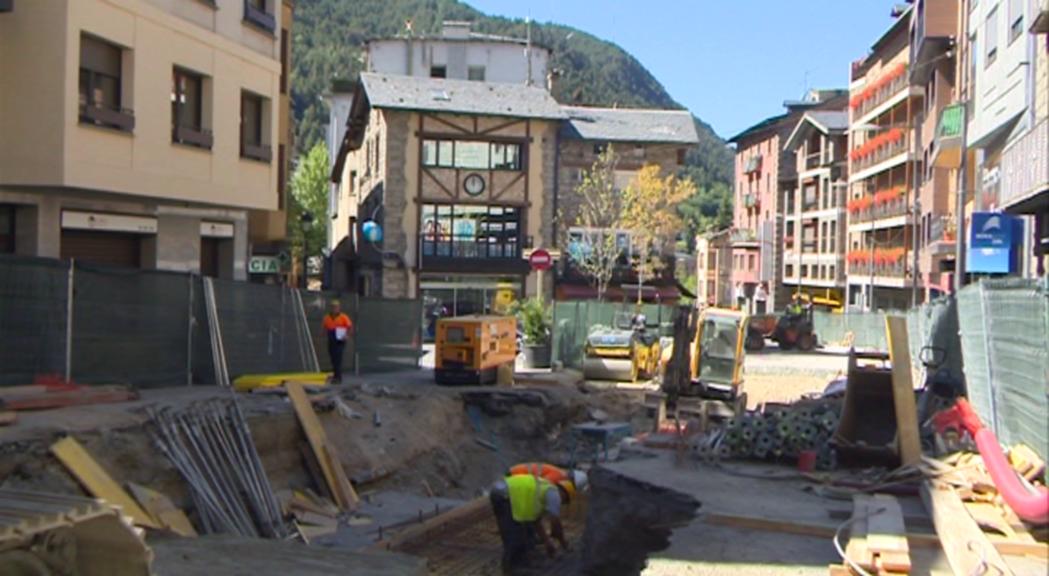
column 527, row 494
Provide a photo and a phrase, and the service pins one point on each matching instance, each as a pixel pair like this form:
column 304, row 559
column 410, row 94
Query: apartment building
column 764, row 172
column 638, row 138
column 814, row 211
column 933, row 70
column 1025, row 160
column 458, row 176
column 139, row 133
column 882, row 159
column 714, row 269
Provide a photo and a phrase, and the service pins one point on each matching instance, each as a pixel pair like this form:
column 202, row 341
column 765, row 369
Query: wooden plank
column 801, row 529
column 885, row 528
column 967, row 549
column 420, row 531
column 903, row 391
column 311, row 426
column 163, row 510
column 857, row 549
column 69, row 397
column 346, row 491
column 97, row 481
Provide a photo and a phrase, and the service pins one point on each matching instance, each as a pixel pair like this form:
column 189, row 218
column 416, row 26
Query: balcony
column 942, row 235
column 743, row 236
column 259, row 18
column 882, row 263
column 881, row 148
column 814, row 160
column 880, row 90
column 753, row 164
column 751, row 200
column 117, row 118
column 1025, row 169
column 193, row 136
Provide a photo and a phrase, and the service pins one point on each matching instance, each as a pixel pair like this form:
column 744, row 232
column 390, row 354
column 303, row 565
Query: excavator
column 716, row 353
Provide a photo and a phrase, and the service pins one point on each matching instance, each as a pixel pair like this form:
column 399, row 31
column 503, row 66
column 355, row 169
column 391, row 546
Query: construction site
column 865, row 455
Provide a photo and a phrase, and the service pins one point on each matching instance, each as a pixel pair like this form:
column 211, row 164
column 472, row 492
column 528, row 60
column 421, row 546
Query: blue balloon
column 372, row 231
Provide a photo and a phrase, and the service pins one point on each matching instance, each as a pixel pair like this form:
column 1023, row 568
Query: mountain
column 328, row 37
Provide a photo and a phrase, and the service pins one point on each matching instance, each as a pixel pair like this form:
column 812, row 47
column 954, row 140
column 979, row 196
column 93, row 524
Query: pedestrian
column 523, row 506
column 338, row 327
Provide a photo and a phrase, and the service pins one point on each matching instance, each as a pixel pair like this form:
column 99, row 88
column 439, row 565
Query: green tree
column 600, row 215
column 309, row 193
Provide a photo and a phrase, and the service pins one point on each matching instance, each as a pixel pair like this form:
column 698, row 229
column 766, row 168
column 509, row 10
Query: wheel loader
column 625, row 352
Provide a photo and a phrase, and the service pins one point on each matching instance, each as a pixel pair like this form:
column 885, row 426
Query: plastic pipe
column 1030, row 505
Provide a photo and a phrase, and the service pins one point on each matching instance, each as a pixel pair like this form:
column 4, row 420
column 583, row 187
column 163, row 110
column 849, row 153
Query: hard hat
column 569, row 488
column 579, row 479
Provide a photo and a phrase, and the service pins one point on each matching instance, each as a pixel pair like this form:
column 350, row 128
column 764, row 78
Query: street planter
column 537, row 355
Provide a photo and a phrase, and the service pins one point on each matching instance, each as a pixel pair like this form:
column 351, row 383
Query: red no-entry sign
column 540, row 259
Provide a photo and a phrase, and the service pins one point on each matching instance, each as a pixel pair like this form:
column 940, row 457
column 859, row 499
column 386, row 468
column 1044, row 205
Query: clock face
column 474, row 185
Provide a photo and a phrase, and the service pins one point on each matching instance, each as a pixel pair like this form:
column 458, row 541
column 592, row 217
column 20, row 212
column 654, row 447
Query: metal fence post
column 189, row 333
column 69, row 322
column 991, row 387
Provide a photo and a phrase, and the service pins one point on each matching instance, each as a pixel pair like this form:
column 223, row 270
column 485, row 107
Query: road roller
column 627, row 351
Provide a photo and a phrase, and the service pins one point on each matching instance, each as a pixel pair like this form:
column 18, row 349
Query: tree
column 309, row 193
column 650, row 214
column 599, row 215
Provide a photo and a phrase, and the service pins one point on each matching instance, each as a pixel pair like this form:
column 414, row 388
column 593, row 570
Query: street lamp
column 306, row 219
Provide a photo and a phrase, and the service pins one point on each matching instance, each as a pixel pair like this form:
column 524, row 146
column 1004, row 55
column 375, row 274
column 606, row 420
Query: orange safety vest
column 548, row 472
column 340, row 321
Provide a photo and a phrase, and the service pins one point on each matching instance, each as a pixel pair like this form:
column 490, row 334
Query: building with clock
column 453, row 181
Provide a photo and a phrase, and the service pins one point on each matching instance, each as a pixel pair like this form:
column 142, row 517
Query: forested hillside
column 329, row 35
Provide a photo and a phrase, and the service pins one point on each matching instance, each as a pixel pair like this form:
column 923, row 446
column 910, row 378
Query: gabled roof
column 826, row 121
column 629, row 125
column 766, row 124
column 459, row 97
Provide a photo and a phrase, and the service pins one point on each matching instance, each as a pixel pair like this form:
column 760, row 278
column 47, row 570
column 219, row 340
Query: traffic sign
column 540, row 259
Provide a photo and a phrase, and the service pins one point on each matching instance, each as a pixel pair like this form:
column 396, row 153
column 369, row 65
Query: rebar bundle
column 779, row 434
column 211, row 446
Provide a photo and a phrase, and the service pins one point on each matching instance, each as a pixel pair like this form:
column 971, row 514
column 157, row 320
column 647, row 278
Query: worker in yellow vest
column 523, row 506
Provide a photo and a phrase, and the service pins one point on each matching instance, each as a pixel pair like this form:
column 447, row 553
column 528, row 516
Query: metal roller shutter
column 108, row 248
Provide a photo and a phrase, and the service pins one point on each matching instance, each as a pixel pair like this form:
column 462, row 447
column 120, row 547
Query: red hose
column 1032, row 506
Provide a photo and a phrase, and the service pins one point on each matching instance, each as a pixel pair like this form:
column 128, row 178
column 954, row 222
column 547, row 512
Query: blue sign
column 992, row 230
column 994, row 238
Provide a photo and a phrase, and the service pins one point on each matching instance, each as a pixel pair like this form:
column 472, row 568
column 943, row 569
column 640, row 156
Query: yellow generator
column 470, row 349
column 623, row 352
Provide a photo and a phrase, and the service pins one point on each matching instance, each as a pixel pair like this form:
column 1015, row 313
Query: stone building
column 145, row 131
column 459, row 176
column 638, row 138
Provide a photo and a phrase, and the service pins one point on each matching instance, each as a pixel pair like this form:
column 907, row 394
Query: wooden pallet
column 877, row 536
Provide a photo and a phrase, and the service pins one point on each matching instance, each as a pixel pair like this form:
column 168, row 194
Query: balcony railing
column 814, row 160
column 1025, row 165
column 751, row 200
column 880, row 90
column 890, row 209
column 884, row 262
column 259, row 18
column 119, row 118
column 883, row 147
column 741, row 235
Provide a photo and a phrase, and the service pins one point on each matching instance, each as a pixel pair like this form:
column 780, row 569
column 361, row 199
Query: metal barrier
column 96, row 325
column 573, row 321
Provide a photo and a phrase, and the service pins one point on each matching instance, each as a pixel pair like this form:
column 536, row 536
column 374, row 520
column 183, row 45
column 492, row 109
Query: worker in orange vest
column 551, row 473
column 338, row 327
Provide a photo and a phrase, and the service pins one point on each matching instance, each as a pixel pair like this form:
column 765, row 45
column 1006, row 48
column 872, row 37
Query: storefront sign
column 992, row 242
column 991, row 230
column 264, row 265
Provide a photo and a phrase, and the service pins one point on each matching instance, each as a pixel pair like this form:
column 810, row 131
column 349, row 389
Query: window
column 804, row 270
column 681, row 156
column 1016, row 19
column 475, row 73
column 258, row 14
column 100, row 92
column 790, row 270
column 831, row 271
column 187, row 109
column 438, row 72
column 284, row 63
column 639, row 151
column 466, row 231
column 471, row 155
column 751, row 262
column 599, row 149
column 252, row 120
column 992, row 37
column 7, row 229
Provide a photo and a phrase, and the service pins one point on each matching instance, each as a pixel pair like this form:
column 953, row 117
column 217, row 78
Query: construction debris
column 51, row 395
column 58, row 534
column 163, row 510
column 98, row 482
column 211, row 446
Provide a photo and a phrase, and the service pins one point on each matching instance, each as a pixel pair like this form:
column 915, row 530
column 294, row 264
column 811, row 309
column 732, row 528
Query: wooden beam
column 163, row 510
column 967, row 549
column 331, row 468
column 903, row 391
column 477, row 506
column 98, row 482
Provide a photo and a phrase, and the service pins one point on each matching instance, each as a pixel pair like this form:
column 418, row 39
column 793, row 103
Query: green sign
column 951, row 120
column 264, row 265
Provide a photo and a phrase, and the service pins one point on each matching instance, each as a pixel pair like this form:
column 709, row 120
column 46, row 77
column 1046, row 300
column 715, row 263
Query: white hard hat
column 579, row 479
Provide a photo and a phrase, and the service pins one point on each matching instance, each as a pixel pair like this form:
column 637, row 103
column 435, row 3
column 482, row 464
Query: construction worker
column 522, row 504
column 551, row 473
column 338, row 327
column 795, row 308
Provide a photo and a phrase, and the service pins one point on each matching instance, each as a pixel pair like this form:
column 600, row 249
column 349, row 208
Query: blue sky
column 731, row 62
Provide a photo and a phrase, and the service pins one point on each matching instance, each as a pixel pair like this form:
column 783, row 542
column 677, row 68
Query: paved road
column 773, row 360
